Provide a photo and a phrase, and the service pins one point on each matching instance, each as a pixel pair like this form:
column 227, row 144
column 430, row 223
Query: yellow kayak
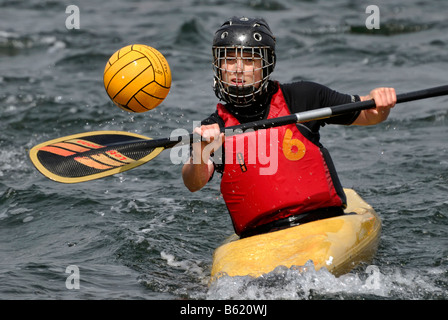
column 338, row 244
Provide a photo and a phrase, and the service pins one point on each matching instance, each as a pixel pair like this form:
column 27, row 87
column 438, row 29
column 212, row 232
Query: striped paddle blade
column 92, row 155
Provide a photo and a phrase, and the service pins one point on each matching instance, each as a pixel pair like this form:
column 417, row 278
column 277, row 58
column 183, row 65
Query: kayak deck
column 338, row 244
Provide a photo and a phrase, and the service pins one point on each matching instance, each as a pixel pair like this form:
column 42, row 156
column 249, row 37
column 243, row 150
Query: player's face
column 241, row 69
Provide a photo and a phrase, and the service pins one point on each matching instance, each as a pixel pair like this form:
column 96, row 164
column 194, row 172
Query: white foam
column 28, row 219
column 189, row 266
column 307, row 283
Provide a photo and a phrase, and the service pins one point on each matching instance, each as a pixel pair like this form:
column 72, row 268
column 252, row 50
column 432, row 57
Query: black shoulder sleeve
column 306, row 95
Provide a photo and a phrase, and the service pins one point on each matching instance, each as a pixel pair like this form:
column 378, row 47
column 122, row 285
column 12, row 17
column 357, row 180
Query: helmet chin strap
column 252, row 110
column 242, row 96
column 247, row 111
column 241, row 90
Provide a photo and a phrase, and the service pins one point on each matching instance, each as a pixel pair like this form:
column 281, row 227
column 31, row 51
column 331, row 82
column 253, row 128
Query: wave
column 13, row 44
column 391, row 28
column 298, row 283
column 192, row 33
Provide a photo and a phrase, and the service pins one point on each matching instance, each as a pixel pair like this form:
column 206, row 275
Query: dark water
column 141, row 234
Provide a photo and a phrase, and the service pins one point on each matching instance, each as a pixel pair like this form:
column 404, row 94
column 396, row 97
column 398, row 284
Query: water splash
column 305, row 283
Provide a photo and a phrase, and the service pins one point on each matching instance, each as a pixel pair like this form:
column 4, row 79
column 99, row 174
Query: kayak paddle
column 97, row 154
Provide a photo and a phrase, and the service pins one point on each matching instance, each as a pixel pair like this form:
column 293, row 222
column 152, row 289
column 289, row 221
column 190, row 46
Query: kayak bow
column 338, row 244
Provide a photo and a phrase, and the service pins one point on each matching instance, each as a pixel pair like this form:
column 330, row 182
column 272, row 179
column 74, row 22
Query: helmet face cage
column 243, row 59
column 241, row 73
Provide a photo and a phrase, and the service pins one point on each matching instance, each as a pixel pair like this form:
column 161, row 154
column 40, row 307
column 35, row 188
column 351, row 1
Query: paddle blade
column 92, row 155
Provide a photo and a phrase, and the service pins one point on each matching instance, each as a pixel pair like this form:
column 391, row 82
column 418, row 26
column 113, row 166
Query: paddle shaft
column 71, row 159
column 317, row 114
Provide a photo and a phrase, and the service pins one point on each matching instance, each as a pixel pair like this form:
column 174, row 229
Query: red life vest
column 273, row 173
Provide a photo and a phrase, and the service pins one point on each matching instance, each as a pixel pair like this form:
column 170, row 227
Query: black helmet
column 249, row 39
